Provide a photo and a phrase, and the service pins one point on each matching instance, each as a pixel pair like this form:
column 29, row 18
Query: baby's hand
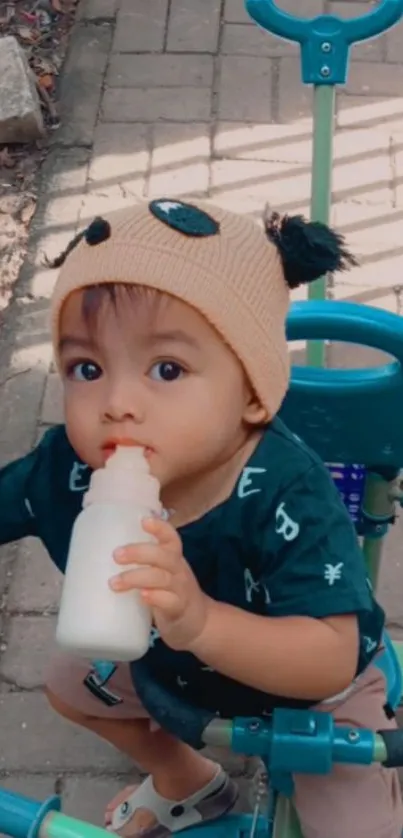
column 167, row 584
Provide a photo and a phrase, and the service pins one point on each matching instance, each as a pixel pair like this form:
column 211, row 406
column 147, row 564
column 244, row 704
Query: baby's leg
column 354, row 801
column 177, row 770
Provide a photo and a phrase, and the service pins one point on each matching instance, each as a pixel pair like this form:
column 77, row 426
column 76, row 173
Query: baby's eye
column 84, row 371
column 166, row 371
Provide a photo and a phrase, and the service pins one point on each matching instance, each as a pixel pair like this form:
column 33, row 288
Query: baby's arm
column 17, row 519
column 312, row 577
column 26, row 485
column 295, row 657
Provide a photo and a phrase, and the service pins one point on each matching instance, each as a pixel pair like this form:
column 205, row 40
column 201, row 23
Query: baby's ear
column 308, row 249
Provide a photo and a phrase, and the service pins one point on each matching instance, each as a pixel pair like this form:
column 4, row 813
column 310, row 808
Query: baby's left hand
column 167, row 584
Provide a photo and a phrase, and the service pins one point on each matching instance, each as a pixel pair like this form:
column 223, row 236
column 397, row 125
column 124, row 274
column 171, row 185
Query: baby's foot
column 142, row 819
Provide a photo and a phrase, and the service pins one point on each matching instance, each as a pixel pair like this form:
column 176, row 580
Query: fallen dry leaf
column 57, row 6
column 46, row 81
column 26, row 34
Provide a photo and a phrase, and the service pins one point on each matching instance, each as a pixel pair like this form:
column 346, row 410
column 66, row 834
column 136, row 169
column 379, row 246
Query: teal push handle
column 325, row 40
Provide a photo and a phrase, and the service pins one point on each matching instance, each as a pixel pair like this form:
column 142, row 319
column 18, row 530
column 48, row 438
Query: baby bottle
column 95, row 621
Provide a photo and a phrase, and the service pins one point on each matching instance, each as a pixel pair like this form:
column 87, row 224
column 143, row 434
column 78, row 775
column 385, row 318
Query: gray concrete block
column 34, row 739
column 156, row 103
column 194, row 26
column 30, row 642
column 97, row 10
column 52, row 407
column 36, row 584
column 81, row 83
column 160, row 70
column 245, row 89
column 20, row 111
column 141, row 27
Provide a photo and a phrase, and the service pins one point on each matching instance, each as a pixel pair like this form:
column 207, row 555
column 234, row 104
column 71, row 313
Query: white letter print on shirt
column 252, row 587
column 78, row 480
column 245, row 481
column 285, row 526
column 333, row 572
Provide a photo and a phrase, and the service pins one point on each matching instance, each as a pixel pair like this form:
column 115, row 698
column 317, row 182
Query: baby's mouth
column 110, row 446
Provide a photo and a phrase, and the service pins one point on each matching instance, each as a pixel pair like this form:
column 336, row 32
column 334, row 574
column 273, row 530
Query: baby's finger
column 164, row 532
column 166, row 601
column 141, row 578
column 150, row 554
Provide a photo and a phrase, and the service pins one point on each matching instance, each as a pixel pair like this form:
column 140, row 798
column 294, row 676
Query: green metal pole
column 57, row 825
column 321, row 190
column 378, row 506
column 286, row 823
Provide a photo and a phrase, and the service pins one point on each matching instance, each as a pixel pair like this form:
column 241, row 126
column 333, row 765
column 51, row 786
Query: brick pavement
column 181, row 98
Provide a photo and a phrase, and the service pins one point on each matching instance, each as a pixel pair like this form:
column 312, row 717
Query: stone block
column 245, row 89
column 36, row 584
column 141, row 26
column 20, row 111
column 194, row 26
column 124, row 104
column 29, row 644
column 180, row 160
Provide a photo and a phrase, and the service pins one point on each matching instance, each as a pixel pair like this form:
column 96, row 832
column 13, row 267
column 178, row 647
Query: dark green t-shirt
column 281, row 545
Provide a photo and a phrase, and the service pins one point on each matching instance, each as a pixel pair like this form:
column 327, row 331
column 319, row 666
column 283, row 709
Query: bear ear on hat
column 308, row 249
column 97, row 232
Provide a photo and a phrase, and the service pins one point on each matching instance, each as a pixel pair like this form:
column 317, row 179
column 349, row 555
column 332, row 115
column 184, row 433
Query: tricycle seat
column 355, row 415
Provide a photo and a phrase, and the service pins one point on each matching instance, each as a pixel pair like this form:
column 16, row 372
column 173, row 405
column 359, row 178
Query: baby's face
column 156, row 374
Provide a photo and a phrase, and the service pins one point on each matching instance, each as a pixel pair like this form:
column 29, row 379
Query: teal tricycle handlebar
column 23, row 817
column 293, row 741
column 325, row 40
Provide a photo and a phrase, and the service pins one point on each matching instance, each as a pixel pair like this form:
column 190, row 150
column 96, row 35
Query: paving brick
column 118, row 167
column 160, row 71
column 153, row 104
column 21, row 398
column 309, row 8
column 372, row 50
column 368, row 112
column 397, row 160
column 180, row 160
column 55, row 221
column 21, row 117
column 247, row 39
column 36, row 584
column 394, row 41
column 29, row 644
column 38, row 738
column 245, row 89
column 251, row 184
column 295, row 98
column 364, row 80
column 81, row 83
column 194, row 26
column 271, row 142
column 235, row 12
column 97, row 9
column 141, row 27
column 52, row 408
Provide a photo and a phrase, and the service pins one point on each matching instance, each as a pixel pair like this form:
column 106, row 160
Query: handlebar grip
column 325, row 40
column 178, row 717
column 393, row 740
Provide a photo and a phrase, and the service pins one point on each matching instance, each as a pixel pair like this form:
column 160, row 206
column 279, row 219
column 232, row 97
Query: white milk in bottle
column 95, row 621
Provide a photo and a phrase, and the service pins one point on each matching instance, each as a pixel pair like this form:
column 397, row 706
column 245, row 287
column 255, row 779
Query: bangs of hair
column 120, row 296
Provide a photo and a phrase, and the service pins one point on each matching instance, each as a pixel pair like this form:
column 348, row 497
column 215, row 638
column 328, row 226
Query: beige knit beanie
column 221, row 263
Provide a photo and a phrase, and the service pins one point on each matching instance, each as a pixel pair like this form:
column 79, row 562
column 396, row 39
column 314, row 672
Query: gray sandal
column 209, row 803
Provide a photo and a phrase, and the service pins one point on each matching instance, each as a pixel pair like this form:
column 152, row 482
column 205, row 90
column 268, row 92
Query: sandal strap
column 175, row 815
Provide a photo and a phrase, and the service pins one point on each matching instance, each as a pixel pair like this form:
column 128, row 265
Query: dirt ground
column 42, row 28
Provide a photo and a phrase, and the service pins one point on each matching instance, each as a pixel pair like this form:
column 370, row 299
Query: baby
column 168, row 324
